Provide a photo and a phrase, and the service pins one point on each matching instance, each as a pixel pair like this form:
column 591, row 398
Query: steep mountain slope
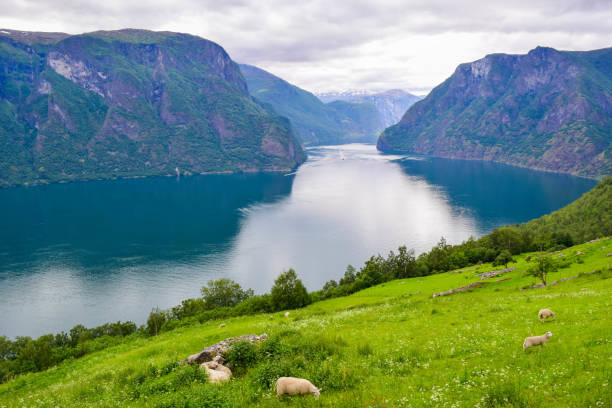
column 391, row 104
column 314, row 122
column 548, row 109
column 130, row 103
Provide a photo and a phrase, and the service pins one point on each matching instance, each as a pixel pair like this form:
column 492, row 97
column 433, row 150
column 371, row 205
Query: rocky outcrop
column 217, row 351
column 492, row 274
column 465, row 288
column 548, row 110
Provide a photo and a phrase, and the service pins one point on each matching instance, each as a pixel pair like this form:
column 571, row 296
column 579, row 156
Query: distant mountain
column 548, row 109
column 130, row 103
column 391, row 104
column 315, row 122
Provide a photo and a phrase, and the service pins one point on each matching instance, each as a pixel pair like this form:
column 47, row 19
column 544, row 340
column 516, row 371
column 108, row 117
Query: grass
column 392, row 345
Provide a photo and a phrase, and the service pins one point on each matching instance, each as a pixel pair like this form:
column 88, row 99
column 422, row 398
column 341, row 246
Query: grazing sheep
column 536, row 340
column 293, row 386
column 546, row 313
column 287, row 314
column 216, row 372
column 222, row 325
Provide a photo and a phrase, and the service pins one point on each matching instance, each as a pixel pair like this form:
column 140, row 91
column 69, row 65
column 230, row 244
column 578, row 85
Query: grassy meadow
column 391, row 345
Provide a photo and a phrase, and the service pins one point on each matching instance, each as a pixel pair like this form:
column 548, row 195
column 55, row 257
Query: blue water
column 92, row 252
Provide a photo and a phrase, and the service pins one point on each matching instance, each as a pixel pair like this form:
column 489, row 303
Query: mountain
column 315, row 122
column 391, row 104
column 130, row 103
column 548, row 110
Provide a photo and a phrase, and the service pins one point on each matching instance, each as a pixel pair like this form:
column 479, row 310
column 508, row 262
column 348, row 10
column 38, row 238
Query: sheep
column 545, row 314
column 216, row 372
column 222, row 325
column 293, row 386
column 536, row 340
column 287, row 314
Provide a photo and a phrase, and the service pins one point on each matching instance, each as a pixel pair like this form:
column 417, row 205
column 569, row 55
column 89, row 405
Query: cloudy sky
column 326, row 45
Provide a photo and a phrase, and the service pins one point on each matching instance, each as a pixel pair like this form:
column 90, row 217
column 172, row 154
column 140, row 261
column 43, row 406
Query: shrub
column 288, row 292
column 504, row 258
column 242, row 355
column 156, row 320
column 265, row 375
column 224, row 293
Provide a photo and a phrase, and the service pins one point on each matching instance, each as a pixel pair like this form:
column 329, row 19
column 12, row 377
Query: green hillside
column 315, row 122
column 130, row 103
column 545, row 110
column 392, row 345
column 587, row 218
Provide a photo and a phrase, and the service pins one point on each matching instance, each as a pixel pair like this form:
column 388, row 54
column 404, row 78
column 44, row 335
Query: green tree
column 349, row 276
column 504, row 258
column 542, row 267
column 288, row 292
column 156, row 320
column 224, row 293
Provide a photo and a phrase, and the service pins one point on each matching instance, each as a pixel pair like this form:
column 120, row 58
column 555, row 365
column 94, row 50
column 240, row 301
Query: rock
column 491, row 274
column 464, row 288
column 217, row 351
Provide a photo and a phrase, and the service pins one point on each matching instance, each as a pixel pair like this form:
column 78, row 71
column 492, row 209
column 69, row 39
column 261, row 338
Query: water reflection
column 102, row 251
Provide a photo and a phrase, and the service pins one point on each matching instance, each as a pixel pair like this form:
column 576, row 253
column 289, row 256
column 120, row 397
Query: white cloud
column 324, row 45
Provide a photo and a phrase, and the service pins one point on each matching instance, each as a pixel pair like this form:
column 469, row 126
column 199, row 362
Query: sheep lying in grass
column 536, row 340
column 222, row 325
column 545, row 314
column 294, row 386
column 216, row 372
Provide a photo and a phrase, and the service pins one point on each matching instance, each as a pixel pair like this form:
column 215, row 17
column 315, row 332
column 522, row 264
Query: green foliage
column 543, row 266
column 241, row 356
column 155, row 321
column 288, row 292
column 504, row 258
column 224, row 293
column 25, row 354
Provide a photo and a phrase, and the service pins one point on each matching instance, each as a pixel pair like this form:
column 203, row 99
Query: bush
column 288, row 292
column 224, row 293
column 242, row 355
column 504, row 258
column 265, row 376
column 156, row 320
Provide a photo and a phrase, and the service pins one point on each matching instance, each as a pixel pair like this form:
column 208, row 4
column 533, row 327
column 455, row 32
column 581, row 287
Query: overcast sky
column 326, row 45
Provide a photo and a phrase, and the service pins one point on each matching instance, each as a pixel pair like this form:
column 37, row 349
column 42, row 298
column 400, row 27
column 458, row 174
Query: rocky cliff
column 548, row 109
column 130, row 103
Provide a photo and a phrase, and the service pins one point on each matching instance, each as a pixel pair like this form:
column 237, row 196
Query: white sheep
column 216, row 372
column 294, row 386
column 287, row 314
column 536, row 340
column 546, row 313
column 222, row 325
